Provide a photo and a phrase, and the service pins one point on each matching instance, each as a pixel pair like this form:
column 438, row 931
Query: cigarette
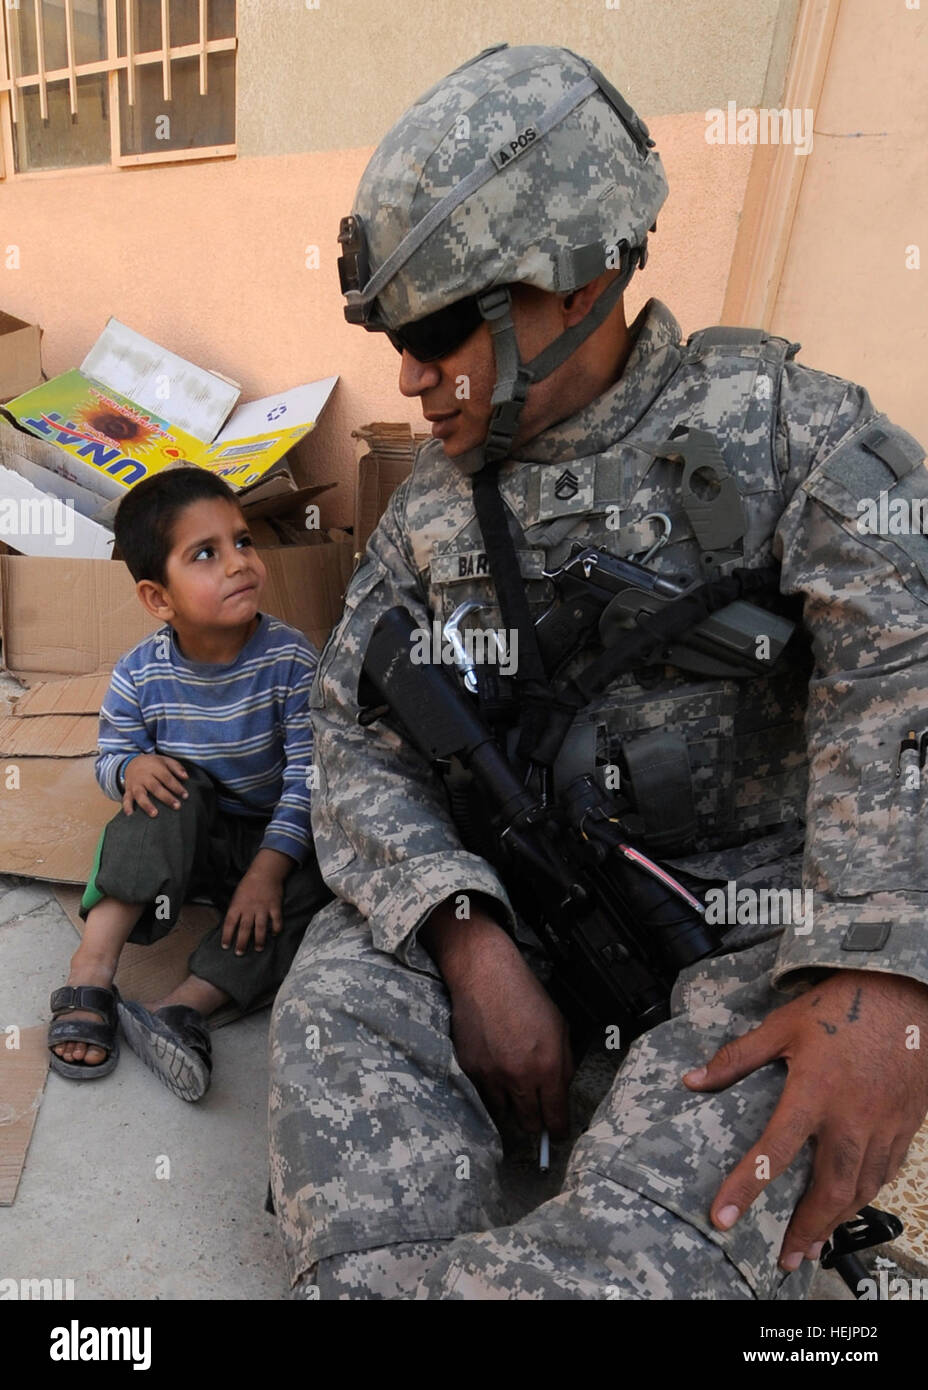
column 544, row 1152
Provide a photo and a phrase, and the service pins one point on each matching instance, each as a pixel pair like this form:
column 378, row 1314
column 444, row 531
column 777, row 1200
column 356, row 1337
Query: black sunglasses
column 436, row 335
column 440, row 333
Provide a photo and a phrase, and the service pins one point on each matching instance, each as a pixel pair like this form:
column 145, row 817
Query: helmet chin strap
column 513, row 376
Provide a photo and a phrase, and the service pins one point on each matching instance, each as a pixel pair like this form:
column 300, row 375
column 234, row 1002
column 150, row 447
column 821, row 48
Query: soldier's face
column 455, row 391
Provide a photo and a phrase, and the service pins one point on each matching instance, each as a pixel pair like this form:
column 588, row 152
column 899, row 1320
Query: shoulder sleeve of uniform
column 816, row 411
column 853, row 542
column 383, row 833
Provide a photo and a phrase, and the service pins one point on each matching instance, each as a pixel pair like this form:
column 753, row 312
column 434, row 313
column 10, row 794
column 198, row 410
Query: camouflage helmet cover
column 555, row 204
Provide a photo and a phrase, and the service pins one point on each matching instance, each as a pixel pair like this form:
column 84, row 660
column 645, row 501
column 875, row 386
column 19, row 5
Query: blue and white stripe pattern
column 246, row 723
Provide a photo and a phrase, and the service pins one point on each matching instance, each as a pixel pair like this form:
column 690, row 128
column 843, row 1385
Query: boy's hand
column 256, row 903
column 153, row 775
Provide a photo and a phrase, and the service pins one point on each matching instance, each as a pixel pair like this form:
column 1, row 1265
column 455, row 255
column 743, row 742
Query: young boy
column 205, row 737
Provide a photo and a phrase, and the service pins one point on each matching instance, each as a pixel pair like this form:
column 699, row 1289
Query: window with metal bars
column 124, row 82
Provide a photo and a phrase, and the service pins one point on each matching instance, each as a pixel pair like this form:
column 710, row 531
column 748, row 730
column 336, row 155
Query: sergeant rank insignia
column 566, row 486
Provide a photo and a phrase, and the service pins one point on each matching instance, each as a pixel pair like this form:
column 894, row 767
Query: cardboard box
column 35, row 523
column 20, row 356
column 64, row 623
column 77, row 617
column 45, row 466
column 134, row 408
column 45, row 512
column 386, row 454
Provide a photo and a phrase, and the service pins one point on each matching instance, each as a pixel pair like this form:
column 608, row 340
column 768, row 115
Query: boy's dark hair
column 146, row 516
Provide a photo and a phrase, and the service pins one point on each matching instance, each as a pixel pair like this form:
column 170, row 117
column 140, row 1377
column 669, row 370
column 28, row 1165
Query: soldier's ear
column 577, row 303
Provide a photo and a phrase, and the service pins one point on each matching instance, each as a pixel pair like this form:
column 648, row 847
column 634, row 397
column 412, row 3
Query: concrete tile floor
column 90, row 1206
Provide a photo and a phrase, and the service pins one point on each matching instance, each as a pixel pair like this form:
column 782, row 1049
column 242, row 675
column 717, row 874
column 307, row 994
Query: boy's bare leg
column 106, row 930
column 195, row 994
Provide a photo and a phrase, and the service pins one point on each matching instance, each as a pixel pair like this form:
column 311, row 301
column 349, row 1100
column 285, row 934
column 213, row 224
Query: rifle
column 616, row 925
column 599, row 591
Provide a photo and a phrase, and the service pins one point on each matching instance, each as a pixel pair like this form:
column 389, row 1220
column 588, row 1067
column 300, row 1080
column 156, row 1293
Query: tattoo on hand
column 829, row 1027
column 853, row 1013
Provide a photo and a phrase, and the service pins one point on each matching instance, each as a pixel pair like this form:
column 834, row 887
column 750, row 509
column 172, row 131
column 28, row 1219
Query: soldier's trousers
column 378, row 1139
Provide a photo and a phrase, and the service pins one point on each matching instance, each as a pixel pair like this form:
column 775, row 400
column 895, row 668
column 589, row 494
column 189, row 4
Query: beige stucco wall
column 847, row 292
column 209, row 258
column 341, row 74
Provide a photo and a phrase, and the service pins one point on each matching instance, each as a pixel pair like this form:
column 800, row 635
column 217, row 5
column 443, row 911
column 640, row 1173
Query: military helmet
column 523, row 165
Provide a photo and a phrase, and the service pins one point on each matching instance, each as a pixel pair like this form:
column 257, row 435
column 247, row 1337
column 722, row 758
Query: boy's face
column 214, row 576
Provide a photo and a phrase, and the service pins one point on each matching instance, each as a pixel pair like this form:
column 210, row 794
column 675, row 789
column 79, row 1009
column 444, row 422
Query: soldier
column 494, row 232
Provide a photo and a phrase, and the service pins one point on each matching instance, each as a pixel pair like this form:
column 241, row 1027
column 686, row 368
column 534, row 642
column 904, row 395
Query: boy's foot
column 82, row 1035
column 173, row 1043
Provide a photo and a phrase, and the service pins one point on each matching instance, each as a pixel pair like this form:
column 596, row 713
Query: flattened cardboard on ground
column 23, row 1071
column 79, row 695
column 53, row 818
column 150, row 972
column 20, row 356
column 56, row 736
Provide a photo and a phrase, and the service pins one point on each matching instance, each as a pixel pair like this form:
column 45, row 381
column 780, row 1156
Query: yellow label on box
column 103, row 429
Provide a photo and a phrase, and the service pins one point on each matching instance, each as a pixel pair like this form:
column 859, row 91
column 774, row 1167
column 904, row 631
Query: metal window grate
column 16, row 83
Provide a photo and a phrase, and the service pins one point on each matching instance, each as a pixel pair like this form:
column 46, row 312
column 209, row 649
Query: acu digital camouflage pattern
column 585, row 183
column 395, row 1130
column 367, row 1125
column 372, row 1129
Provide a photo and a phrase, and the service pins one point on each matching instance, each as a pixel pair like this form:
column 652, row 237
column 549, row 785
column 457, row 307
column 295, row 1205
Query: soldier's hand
column 153, row 775
column 509, row 1037
column 855, row 1086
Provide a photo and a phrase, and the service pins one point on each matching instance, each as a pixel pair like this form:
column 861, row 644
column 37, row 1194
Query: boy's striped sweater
column 246, row 723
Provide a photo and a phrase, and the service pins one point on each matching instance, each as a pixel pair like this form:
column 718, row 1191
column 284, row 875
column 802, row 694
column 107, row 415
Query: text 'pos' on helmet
column 522, row 166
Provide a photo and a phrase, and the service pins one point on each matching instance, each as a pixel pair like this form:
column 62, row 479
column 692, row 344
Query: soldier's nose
column 416, row 377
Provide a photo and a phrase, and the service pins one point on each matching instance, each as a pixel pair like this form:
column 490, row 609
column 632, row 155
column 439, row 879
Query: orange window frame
column 13, row 81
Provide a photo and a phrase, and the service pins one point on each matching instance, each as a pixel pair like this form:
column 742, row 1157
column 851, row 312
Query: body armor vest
column 744, row 739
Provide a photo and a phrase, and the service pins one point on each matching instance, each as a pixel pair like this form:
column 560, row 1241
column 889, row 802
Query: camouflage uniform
column 370, row 1113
